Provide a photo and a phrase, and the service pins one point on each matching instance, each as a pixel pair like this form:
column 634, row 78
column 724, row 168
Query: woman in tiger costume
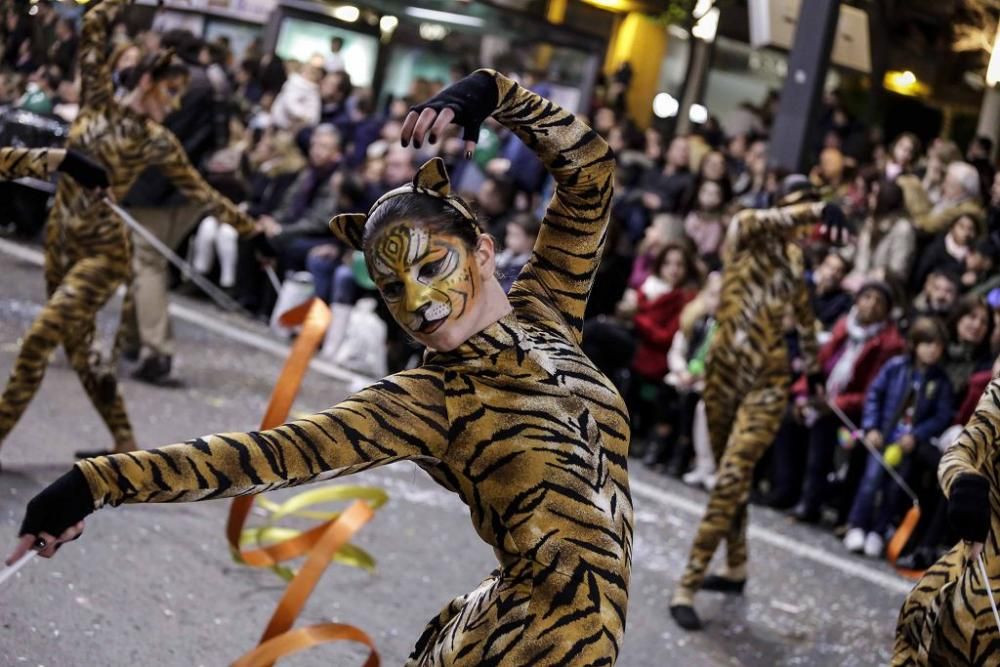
column 506, row 410
column 747, row 374
column 947, row 619
column 87, row 249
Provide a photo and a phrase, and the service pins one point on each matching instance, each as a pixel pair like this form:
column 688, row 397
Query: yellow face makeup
column 426, row 279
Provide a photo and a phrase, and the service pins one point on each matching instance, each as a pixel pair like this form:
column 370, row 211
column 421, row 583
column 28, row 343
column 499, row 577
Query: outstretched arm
column 97, row 89
column 29, row 162
column 401, row 417
column 974, row 450
column 167, row 153
column 771, row 225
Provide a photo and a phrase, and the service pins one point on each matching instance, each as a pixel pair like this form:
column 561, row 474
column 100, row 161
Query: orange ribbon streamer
column 318, row 543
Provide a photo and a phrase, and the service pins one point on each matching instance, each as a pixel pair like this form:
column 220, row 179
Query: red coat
column 878, row 350
column 977, row 385
column 656, row 321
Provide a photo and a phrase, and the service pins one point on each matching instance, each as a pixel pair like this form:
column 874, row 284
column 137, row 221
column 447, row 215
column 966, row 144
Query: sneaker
column 694, row 478
column 854, row 541
column 874, row 544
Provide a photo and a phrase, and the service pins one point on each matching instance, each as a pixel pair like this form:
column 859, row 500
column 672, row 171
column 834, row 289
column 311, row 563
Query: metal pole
column 801, row 95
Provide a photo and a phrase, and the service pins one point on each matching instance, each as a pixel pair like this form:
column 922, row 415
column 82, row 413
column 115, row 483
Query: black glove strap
column 472, row 99
column 59, row 506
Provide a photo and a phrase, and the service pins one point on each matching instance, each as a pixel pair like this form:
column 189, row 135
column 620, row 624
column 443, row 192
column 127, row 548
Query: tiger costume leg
column 68, row 318
column 757, row 420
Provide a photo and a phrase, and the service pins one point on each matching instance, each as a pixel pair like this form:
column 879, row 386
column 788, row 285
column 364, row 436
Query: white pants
column 214, row 237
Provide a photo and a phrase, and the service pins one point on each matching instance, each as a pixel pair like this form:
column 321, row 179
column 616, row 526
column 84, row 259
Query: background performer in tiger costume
column 747, row 373
column 87, row 249
column 947, row 618
column 506, row 410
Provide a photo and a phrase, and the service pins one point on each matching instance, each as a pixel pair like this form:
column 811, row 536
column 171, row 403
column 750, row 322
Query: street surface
column 155, row 585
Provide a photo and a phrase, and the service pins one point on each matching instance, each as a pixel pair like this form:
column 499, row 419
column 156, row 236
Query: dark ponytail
column 160, row 65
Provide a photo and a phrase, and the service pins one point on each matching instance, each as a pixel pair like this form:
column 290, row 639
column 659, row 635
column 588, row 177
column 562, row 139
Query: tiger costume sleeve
column 976, row 446
column 401, row 417
column 169, row 155
column 24, row 162
column 751, row 226
column 570, row 244
column 96, row 83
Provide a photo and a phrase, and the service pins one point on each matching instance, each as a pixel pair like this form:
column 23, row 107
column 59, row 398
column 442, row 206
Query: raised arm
column 569, row 246
column 29, row 162
column 166, row 152
column 771, row 225
column 97, row 88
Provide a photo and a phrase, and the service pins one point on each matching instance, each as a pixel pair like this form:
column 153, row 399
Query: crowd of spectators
column 908, row 314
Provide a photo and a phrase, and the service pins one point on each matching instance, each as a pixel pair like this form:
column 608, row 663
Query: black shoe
column 654, row 453
column 805, row 513
column 91, row 453
column 685, row 616
column 131, row 353
column 154, row 369
column 714, row 582
column 920, row 558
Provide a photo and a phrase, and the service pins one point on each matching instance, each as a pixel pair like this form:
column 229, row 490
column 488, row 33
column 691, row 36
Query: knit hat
column 882, row 287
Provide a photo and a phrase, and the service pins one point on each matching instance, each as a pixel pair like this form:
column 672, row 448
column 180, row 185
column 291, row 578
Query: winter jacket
column 884, row 401
column 877, row 350
column 298, row 104
column 656, row 321
column 977, row 385
column 892, row 252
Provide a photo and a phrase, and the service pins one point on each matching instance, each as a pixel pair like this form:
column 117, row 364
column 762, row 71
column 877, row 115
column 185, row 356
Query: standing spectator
column 907, row 405
column 334, row 61
column 862, row 341
column 887, row 241
column 63, row 50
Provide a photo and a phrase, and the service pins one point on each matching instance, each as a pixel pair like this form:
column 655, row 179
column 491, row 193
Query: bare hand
column 51, row 544
column 874, row 439
column 973, row 550
column 907, row 443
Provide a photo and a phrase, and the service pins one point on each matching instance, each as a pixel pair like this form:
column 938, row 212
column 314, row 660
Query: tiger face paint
column 427, row 279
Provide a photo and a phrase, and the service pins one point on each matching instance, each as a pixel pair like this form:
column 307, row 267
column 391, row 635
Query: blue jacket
column 933, row 409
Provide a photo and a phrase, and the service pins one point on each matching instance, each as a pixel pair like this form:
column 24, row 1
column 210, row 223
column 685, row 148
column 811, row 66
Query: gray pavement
column 155, row 585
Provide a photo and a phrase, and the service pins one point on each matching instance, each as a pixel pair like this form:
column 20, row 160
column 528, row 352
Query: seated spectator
column 948, row 251
column 704, row 225
column 829, row 300
column 302, row 221
column 938, row 296
column 908, row 405
column 887, row 241
column 829, row 174
column 980, row 263
column 959, row 196
column 519, row 241
column 298, row 104
column 970, row 332
column 862, row 341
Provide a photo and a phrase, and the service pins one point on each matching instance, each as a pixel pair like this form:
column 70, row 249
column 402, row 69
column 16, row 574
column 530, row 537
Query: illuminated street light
column 347, row 13
column 665, row 105
column 698, row 114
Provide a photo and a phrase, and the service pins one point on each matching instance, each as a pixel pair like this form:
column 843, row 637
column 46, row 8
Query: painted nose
column 417, row 298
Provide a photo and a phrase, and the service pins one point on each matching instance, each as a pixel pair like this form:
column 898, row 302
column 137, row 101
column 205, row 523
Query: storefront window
column 300, row 39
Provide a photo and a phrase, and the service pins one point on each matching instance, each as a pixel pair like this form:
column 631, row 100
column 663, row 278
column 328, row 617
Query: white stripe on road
column 223, row 328
column 819, row 555
column 666, row 498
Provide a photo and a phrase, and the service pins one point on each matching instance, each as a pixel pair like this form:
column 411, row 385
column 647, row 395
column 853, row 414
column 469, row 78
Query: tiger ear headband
column 431, row 179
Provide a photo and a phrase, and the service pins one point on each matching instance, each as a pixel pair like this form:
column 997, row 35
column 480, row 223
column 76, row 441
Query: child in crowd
column 519, row 240
column 908, row 404
column 704, row 225
column 686, row 381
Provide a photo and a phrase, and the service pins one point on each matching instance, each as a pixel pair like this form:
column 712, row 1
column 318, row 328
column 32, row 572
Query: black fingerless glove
column 84, row 169
column 59, row 506
column 969, row 507
column 838, row 226
column 472, row 99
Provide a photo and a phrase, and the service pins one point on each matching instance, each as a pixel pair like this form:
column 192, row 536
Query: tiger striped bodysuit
column 747, row 371
column 87, row 248
column 946, row 619
column 516, row 421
